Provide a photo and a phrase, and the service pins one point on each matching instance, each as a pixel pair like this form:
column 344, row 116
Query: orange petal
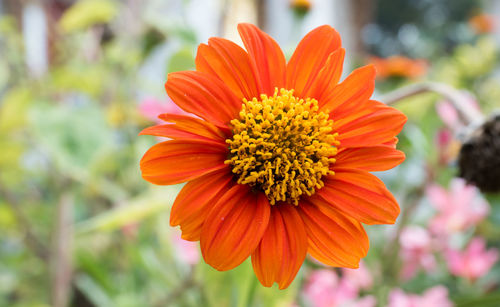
column 333, row 238
column 328, row 77
column 310, row 57
column 374, row 125
column 231, row 64
column 178, row 161
column 282, row 249
column 186, row 127
column 267, row 59
column 373, row 159
column 392, row 143
column 196, row 199
column 360, row 195
column 203, row 95
column 234, row 227
column 355, row 89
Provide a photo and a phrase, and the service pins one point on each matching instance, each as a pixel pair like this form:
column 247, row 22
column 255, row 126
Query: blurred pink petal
column 472, row 263
column 185, row 251
column 130, row 230
column 416, row 251
column 459, row 208
column 324, row 288
column 444, row 137
column 151, row 107
column 448, row 146
column 361, row 278
column 447, row 113
column 436, row 296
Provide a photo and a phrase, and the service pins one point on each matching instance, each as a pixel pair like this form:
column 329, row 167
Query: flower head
column 278, row 163
column 472, row 263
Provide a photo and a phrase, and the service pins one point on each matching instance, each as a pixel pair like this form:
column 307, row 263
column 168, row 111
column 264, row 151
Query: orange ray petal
column 375, row 125
column 392, row 143
column 360, row 195
column 328, row 77
column 282, row 249
column 373, row 159
column 234, row 227
column 196, row 199
column 334, row 238
column 267, row 59
column 355, row 89
column 310, row 56
column 178, row 161
column 231, row 64
column 203, row 95
column 186, row 127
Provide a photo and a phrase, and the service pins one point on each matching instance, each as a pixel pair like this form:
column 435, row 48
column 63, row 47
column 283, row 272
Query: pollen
column 282, row 145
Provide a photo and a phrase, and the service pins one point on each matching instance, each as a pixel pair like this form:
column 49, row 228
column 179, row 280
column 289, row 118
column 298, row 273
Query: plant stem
column 62, row 252
column 467, row 112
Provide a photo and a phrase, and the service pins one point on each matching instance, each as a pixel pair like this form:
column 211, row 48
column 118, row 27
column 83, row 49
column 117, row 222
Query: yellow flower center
column 282, row 145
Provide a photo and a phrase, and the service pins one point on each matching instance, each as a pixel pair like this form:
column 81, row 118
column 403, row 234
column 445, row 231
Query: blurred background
column 80, row 78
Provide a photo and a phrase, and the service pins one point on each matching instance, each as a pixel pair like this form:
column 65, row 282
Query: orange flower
column 278, row 165
column 399, row 66
column 482, row 23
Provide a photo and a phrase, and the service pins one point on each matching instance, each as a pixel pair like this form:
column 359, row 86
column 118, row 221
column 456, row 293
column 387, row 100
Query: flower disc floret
column 282, row 145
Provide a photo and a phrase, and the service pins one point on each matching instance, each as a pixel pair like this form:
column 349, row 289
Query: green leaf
column 488, row 300
column 71, row 135
column 86, row 13
column 13, row 109
column 79, row 78
column 93, row 290
column 133, row 211
column 181, row 60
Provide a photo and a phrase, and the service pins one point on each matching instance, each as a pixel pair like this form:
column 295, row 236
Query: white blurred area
column 35, row 38
column 208, row 18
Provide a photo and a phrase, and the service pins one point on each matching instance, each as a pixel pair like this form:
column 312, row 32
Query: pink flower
column 185, row 251
column 416, row 251
column 436, row 296
column 359, row 278
column 458, row 209
column 448, row 147
column 472, row 263
column 448, row 114
column 150, row 108
column 324, row 288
